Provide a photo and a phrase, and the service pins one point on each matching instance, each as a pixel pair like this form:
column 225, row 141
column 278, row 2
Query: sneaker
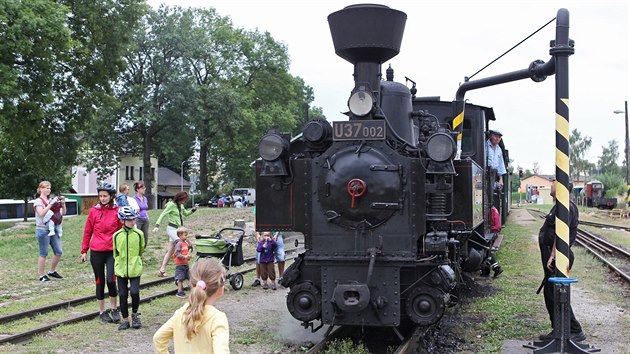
column 265, row 286
column 123, row 325
column 256, row 282
column 44, row 278
column 273, row 287
column 105, row 316
column 55, row 275
column 115, row 315
column 578, row 337
column 181, row 294
column 135, row 320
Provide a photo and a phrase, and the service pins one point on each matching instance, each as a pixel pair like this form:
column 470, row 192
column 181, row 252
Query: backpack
column 496, row 221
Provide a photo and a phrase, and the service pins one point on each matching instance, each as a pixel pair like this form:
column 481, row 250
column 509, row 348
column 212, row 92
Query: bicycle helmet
column 126, row 213
column 107, row 188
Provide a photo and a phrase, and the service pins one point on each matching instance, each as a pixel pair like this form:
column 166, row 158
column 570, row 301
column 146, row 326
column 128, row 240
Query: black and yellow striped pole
column 561, row 50
column 458, row 124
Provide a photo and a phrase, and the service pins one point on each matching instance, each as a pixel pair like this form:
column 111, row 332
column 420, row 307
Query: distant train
column 13, row 209
column 595, row 196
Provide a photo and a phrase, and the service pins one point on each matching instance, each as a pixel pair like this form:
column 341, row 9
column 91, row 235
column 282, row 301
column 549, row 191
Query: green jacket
column 128, row 247
column 171, row 213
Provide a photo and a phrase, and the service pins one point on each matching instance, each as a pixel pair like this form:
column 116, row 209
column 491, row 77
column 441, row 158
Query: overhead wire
column 467, row 78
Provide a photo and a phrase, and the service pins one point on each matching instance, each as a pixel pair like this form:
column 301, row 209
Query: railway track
column 71, row 304
column 615, row 258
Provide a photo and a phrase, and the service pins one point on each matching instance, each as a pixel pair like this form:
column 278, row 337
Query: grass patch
column 515, row 311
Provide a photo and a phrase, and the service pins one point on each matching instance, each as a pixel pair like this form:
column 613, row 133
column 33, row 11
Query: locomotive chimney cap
column 367, row 32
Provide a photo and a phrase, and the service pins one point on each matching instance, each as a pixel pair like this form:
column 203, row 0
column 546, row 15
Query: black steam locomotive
column 394, row 203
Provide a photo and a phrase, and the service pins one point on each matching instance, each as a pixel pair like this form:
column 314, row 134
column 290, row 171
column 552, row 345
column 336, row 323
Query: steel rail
column 625, row 276
column 32, row 332
column 74, row 302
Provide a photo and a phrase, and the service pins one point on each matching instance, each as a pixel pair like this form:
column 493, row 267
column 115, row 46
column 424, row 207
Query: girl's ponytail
column 206, row 277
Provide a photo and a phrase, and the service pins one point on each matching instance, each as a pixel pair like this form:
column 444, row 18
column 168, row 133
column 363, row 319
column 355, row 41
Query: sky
column 446, row 41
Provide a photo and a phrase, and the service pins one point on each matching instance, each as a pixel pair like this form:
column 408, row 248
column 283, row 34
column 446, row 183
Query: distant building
column 130, row 169
column 169, row 184
column 541, row 183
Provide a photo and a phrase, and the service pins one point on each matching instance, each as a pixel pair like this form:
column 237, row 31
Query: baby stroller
column 229, row 251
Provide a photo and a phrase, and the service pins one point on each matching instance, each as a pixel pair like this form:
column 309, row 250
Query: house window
column 153, row 173
column 129, row 173
column 141, row 174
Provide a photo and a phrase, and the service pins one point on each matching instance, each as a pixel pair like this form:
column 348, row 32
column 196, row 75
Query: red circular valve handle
column 356, row 187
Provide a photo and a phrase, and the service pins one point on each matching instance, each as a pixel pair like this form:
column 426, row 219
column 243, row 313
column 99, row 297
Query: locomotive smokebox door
column 359, row 189
column 348, row 300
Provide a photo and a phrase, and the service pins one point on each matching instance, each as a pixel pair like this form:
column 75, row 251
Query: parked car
column 213, row 202
column 248, row 194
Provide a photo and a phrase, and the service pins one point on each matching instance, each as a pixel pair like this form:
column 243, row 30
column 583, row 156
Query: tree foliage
column 57, row 59
column 579, row 147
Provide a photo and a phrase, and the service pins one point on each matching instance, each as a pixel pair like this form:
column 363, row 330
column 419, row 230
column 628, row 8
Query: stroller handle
column 241, row 231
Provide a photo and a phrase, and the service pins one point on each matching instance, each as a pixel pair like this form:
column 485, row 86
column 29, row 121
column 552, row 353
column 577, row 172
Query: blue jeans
column 279, row 253
column 44, row 241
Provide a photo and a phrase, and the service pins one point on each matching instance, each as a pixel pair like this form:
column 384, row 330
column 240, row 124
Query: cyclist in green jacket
column 128, row 247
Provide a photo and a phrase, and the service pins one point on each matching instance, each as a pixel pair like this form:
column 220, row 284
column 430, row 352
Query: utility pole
column 627, row 151
column 182, row 176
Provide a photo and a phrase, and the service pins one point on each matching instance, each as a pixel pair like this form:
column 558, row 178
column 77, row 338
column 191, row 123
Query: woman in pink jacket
column 101, row 224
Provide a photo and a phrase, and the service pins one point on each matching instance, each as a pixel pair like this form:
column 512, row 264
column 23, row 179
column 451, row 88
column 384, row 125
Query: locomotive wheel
column 304, row 302
column 425, row 305
column 236, row 280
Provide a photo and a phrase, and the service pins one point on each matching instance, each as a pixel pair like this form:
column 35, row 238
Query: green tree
column 579, row 146
column 56, row 63
column 154, row 91
column 607, row 162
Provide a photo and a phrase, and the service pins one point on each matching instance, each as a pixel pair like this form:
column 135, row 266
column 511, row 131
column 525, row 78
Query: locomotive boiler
column 392, row 202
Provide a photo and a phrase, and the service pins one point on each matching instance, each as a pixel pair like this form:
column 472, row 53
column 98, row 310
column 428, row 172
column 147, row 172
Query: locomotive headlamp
column 441, row 147
column 361, row 103
column 272, row 146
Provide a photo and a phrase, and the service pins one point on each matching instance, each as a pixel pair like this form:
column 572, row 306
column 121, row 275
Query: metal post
column 627, row 151
column 519, row 191
column 182, row 176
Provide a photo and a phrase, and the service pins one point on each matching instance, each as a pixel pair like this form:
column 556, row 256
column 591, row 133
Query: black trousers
column 101, row 261
column 123, row 290
column 545, row 253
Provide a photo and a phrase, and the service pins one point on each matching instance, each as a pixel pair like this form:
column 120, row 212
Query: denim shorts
column 172, row 233
column 279, row 253
column 44, row 241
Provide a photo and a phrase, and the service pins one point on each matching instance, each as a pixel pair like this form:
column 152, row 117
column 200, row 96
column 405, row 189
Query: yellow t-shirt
column 213, row 335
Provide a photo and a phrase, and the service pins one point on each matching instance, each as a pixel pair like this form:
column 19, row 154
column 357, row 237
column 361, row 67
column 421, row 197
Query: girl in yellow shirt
column 198, row 327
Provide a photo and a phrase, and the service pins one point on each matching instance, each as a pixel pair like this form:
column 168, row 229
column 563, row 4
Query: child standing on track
column 183, row 251
column 198, row 327
column 267, row 247
column 128, row 249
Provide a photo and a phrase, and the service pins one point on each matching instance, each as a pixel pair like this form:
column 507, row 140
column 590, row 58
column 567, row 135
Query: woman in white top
column 42, row 206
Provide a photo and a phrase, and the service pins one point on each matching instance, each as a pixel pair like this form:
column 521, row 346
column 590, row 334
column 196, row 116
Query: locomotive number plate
column 359, row 130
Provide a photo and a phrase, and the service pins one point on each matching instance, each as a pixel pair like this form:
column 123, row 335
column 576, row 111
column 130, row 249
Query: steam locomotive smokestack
column 367, row 35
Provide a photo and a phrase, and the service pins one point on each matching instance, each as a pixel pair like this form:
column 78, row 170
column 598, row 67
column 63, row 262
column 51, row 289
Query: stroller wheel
column 236, row 280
